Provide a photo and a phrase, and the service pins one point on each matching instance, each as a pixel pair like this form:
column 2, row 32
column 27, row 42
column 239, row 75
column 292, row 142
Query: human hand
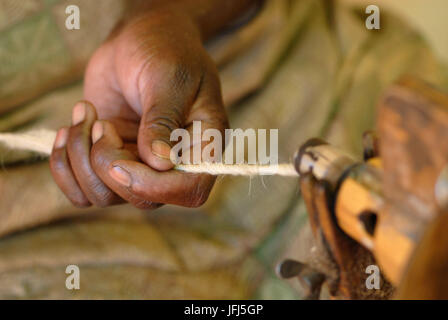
column 151, row 77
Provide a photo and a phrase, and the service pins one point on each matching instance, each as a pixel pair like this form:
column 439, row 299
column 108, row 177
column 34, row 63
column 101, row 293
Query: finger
column 107, row 148
column 165, row 105
column 78, row 147
column 170, row 187
column 62, row 172
column 207, row 116
column 208, row 106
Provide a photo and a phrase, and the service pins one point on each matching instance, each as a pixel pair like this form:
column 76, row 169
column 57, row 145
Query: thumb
column 165, row 104
column 153, row 141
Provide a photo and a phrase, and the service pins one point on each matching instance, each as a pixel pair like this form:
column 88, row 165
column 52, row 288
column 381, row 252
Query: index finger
column 170, row 187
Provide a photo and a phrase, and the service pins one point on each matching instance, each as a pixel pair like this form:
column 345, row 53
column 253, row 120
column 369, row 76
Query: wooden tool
column 376, row 212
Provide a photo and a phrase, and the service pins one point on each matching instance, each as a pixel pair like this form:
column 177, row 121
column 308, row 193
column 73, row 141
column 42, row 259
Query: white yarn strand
column 284, row 169
column 41, row 141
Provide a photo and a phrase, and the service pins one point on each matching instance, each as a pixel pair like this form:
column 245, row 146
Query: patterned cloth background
column 38, row 53
column 305, row 67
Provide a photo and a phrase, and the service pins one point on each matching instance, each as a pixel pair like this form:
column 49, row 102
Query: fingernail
column 79, row 113
column 61, row 138
column 121, row 176
column 97, row 131
column 161, row 149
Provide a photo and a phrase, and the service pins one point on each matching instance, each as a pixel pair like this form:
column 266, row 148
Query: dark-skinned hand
column 151, row 77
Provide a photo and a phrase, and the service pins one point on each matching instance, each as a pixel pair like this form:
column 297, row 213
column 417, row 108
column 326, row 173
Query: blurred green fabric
column 309, row 68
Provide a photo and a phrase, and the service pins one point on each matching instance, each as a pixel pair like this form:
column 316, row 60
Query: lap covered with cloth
column 308, row 68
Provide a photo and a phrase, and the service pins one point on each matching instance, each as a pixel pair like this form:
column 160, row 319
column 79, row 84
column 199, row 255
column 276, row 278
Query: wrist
column 209, row 16
column 165, row 23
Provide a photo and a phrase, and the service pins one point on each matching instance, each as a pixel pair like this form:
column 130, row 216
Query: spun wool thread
column 283, row 169
column 41, row 141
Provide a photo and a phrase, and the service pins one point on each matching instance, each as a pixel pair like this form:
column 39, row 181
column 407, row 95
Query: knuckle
column 144, row 204
column 199, row 195
column 141, row 202
column 199, row 201
column 219, row 121
column 101, row 202
column 57, row 163
column 79, row 203
column 100, row 196
column 97, row 159
column 163, row 123
column 181, row 75
column 74, row 142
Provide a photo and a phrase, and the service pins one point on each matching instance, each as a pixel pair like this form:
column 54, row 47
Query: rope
column 284, row 169
column 41, row 141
